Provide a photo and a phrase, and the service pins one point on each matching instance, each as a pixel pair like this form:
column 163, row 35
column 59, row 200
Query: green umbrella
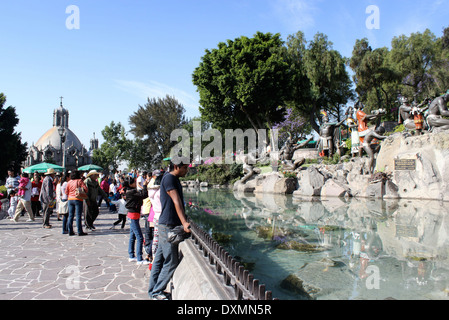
column 90, row 167
column 43, row 167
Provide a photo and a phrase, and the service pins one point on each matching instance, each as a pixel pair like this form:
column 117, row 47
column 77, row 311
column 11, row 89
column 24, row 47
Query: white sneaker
column 143, row 262
column 132, row 259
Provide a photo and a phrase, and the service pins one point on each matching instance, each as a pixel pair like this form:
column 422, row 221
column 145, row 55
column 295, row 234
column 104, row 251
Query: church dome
column 52, row 137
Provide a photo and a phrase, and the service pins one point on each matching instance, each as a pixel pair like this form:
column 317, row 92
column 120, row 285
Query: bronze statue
column 371, row 148
column 248, row 168
column 287, row 152
column 329, row 141
column 411, row 115
column 363, row 119
column 436, row 111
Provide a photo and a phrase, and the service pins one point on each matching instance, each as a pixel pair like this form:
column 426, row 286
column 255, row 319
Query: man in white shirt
column 25, row 203
column 140, row 180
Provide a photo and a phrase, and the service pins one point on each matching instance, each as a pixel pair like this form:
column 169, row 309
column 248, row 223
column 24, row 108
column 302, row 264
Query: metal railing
column 234, row 274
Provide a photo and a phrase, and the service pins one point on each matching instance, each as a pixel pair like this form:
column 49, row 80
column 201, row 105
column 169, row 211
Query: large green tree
column 375, row 79
column 321, row 81
column 413, row 57
column 153, row 124
column 115, row 147
column 13, row 151
column 243, row 82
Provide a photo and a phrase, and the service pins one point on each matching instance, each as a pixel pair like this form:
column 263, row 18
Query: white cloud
column 154, row 89
column 296, row 14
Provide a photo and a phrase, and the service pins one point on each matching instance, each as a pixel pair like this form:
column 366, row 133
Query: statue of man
column 363, row 119
column 405, row 116
column 408, row 114
column 437, row 109
column 328, row 134
column 248, row 167
column 287, row 152
column 373, row 148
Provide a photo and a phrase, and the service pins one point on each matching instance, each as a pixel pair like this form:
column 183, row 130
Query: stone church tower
column 60, row 144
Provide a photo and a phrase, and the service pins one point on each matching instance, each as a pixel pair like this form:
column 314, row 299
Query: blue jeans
column 165, row 263
column 75, row 207
column 135, row 233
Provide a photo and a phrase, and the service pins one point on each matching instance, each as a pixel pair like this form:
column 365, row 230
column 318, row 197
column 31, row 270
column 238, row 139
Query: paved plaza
column 44, row 264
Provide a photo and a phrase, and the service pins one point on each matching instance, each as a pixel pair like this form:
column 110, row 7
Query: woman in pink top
column 75, row 203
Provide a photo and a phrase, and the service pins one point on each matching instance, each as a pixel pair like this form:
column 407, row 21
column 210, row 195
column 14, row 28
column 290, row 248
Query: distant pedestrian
column 121, row 210
column 47, row 197
column 13, row 201
column 173, row 215
column 12, row 182
column 63, row 202
column 93, row 191
column 104, row 185
column 25, row 203
column 23, row 181
column 134, row 200
column 75, row 200
column 36, row 186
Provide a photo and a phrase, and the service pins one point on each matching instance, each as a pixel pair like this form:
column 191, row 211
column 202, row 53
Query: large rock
column 332, row 188
column 429, row 179
column 275, row 183
column 311, row 181
column 271, row 183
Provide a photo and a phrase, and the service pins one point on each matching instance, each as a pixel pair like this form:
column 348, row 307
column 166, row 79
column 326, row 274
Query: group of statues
column 415, row 117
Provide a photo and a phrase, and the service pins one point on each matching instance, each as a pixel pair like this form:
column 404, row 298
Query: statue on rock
column 371, row 147
column 248, row 167
column 329, row 137
column 436, row 111
column 363, row 119
column 288, row 150
column 411, row 115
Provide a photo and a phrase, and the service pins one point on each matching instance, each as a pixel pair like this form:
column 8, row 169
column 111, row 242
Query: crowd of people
column 155, row 197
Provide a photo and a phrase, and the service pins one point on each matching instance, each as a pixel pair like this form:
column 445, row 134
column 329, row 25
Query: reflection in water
column 332, row 248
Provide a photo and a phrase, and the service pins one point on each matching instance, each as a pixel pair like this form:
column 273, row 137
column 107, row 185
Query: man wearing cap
column 47, row 197
column 93, row 190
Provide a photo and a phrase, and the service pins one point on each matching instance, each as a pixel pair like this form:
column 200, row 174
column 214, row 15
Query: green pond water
column 331, row 249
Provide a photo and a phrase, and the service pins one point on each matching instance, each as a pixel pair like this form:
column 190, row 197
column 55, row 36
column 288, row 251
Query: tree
column 375, row 79
column 321, row 79
column 13, row 151
column 413, row 58
column 115, row 147
column 243, row 83
column 153, row 123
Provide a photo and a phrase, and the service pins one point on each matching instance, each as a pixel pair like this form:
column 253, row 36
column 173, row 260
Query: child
column 13, row 200
column 112, row 206
column 121, row 211
column 134, row 200
column 22, row 185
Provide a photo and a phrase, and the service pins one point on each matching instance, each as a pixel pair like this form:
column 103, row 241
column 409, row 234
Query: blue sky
column 126, row 51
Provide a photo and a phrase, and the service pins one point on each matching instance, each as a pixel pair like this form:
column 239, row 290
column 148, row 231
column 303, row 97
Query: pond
column 331, row 249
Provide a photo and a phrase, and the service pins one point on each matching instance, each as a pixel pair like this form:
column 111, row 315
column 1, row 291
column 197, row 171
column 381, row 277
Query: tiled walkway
column 44, row 264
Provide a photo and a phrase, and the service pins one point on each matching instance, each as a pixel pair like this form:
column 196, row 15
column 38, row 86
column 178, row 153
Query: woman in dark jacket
column 134, row 201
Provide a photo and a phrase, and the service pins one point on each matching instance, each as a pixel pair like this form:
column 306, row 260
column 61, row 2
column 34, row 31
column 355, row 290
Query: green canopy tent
column 43, row 167
column 90, row 167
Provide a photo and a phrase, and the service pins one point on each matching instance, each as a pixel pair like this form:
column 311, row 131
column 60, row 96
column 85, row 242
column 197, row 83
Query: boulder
column 311, row 181
column 332, row 188
column 275, row 183
column 428, row 176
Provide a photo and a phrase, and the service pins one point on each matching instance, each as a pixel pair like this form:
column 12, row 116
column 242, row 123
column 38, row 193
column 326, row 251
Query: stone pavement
column 44, row 264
